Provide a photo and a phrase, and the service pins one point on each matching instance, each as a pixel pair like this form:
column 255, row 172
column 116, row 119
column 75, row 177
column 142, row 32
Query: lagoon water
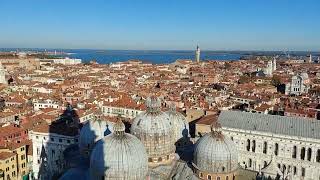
column 157, row 57
column 154, row 56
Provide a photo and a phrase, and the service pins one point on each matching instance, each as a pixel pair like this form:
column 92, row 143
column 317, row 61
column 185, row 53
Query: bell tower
column 2, row 75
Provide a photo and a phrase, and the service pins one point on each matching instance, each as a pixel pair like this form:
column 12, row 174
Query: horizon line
column 105, row 49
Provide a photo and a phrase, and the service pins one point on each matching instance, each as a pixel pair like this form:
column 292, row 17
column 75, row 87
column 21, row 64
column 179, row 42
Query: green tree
column 275, row 81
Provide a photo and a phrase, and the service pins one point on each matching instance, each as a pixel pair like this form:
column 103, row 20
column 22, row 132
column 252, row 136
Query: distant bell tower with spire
column 197, row 54
column 2, row 75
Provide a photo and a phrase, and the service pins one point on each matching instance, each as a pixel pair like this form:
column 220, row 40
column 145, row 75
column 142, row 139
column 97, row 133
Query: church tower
column 2, row 75
column 197, row 54
column 274, row 64
column 269, row 68
column 310, row 58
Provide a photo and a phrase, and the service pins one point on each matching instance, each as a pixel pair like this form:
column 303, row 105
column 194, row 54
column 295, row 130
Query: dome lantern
column 153, row 104
column 216, row 131
column 119, row 128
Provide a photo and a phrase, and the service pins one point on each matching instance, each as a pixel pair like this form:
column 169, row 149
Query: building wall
column 255, row 157
column 296, row 86
column 8, row 166
column 123, row 112
column 20, row 160
column 296, row 154
column 54, row 145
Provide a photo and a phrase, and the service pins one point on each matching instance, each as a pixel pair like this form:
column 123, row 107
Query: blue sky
column 161, row 24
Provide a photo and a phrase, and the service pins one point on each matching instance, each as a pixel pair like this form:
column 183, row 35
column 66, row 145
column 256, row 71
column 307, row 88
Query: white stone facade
column 120, row 111
column 2, row 75
column 45, row 104
column 298, row 154
column 255, row 156
column 54, row 145
column 297, row 86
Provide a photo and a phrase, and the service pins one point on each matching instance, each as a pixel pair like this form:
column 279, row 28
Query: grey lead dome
column 215, row 153
column 179, row 123
column 155, row 130
column 119, row 156
column 91, row 132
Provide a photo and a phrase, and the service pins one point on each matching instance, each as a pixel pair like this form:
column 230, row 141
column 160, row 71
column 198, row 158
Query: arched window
column 309, row 154
column 248, row 145
column 254, row 146
column 209, row 177
column 200, row 175
column 218, row 178
column 276, row 149
column 250, row 162
column 318, row 155
column 160, row 159
column 303, row 153
column 294, row 152
column 265, row 147
column 227, row 177
column 150, row 159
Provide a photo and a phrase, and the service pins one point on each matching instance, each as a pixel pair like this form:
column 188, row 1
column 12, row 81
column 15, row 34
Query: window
column 52, row 139
column 254, row 146
column 276, row 149
column 218, row 178
column 248, row 145
column 309, row 154
column 265, row 147
column 68, row 141
column 294, row 170
column 250, row 162
column 60, row 140
column 294, row 152
column 200, row 175
column 150, row 159
column 303, row 153
column 318, row 155
column 227, row 177
column 303, row 172
column 209, row 177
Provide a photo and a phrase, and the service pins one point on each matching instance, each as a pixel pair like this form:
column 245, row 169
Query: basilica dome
column 119, row 156
column 91, row 132
column 179, row 123
column 155, row 130
column 215, row 154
